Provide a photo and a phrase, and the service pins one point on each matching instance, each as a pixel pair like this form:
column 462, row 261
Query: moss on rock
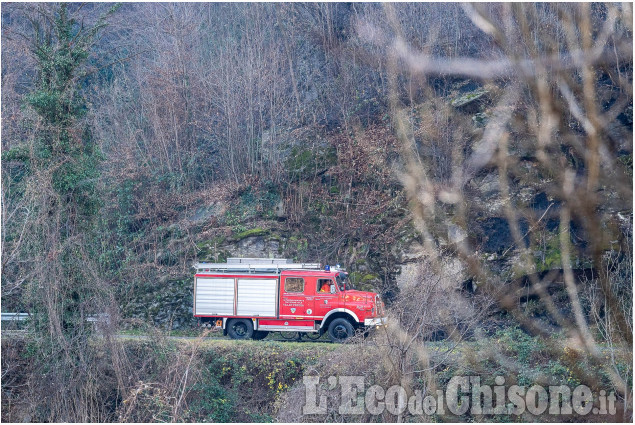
column 468, row 98
column 250, row 233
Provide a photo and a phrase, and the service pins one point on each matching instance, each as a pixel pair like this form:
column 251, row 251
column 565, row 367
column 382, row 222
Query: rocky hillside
column 343, row 202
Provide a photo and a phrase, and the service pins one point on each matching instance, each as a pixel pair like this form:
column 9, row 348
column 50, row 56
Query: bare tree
column 549, row 119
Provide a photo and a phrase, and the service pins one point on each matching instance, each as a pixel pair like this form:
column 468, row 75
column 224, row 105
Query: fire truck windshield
column 343, row 282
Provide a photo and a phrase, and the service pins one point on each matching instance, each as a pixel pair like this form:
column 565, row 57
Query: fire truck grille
column 380, row 306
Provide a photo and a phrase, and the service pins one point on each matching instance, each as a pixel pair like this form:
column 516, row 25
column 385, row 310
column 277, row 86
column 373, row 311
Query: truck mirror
column 332, row 289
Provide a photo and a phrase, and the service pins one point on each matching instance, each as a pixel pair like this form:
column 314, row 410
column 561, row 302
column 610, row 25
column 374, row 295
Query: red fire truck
column 250, row 297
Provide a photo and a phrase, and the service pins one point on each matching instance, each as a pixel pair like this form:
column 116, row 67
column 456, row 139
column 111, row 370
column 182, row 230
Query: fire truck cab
column 250, row 297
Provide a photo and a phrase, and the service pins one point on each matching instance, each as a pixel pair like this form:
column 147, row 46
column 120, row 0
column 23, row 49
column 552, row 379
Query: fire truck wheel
column 340, row 330
column 258, row 335
column 240, row 329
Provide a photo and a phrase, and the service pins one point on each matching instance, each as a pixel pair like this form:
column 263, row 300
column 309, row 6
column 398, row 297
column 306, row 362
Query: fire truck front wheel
column 240, row 329
column 340, row 330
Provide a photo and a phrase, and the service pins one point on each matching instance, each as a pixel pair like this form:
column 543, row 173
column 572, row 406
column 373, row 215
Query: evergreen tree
column 63, row 169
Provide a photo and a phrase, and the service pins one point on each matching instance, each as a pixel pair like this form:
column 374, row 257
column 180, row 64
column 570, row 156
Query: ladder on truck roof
column 251, row 265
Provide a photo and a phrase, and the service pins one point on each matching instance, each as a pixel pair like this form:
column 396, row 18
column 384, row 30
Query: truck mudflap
column 376, row 321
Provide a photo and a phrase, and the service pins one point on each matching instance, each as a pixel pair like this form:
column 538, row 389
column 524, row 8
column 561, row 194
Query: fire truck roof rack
column 256, row 265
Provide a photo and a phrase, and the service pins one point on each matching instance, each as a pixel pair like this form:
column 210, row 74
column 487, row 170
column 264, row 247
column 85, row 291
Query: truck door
column 324, row 300
column 293, row 301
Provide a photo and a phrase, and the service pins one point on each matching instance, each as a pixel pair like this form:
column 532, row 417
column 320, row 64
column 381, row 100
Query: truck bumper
column 377, row 321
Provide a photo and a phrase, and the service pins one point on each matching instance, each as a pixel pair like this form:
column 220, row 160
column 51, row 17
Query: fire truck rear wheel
column 340, row 330
column 240, row 329
column 258, row 335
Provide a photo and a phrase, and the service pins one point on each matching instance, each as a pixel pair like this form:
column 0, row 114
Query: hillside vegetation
column 472, row 164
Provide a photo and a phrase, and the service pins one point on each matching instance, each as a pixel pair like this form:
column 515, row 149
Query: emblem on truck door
column 293, row 310
column 309, row 311
column 326, row 301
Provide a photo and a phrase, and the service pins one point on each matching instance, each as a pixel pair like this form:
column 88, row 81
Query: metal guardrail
column 101, row 317
column 14, row 316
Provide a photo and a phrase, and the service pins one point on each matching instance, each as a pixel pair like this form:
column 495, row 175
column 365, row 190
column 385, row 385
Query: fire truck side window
column 324, row 286
column 294, row 284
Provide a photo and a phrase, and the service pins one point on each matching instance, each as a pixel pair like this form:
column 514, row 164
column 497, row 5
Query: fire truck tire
column 258, row 335
column 240, row 329
column 340, row 330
